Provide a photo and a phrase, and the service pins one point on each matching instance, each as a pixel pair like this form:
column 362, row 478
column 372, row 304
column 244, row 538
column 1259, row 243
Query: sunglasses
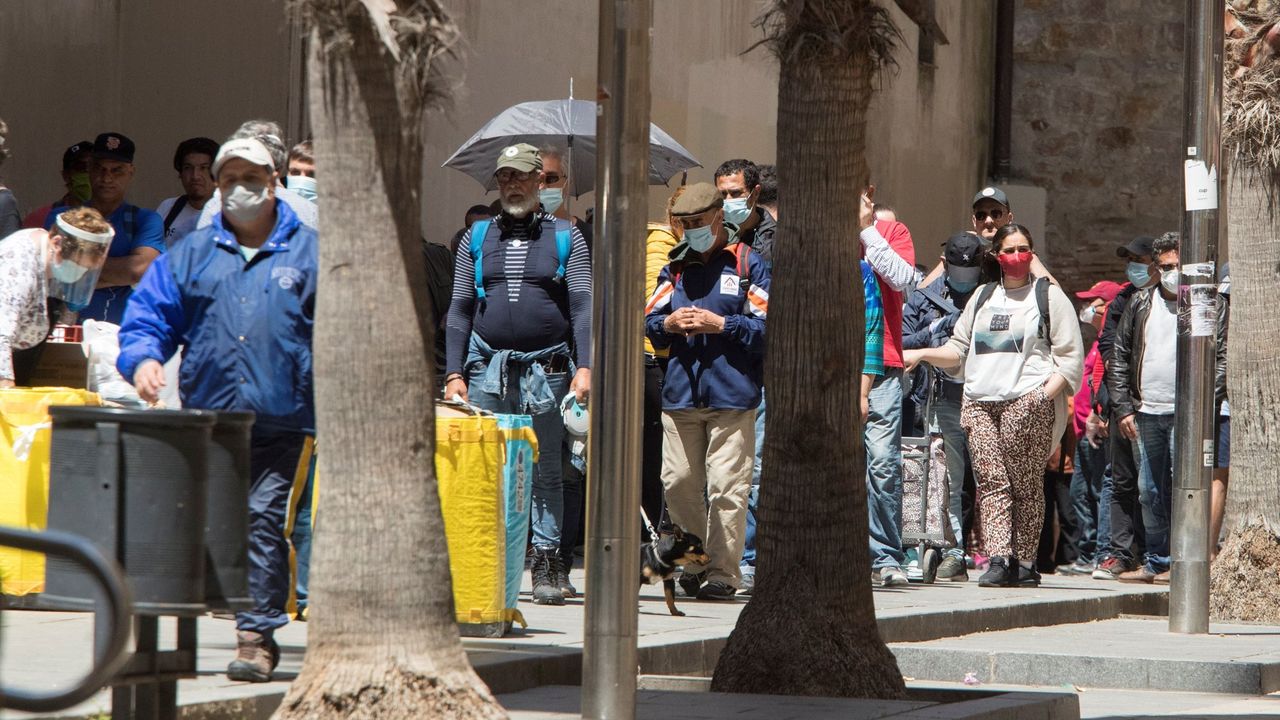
column 506, row 175
column 982, row 215
column 552, row 178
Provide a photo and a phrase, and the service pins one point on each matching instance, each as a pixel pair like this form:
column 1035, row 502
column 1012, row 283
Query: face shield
column 75, row 268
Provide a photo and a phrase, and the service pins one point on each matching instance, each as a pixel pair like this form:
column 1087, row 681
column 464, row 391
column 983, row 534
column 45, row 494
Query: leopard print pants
column 1009, row 442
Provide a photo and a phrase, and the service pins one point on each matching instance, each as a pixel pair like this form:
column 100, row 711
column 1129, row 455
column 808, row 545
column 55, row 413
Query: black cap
column 113, row 146
column 991, row 192
column 1141, row 246
column 963, row 249
column 69, row 157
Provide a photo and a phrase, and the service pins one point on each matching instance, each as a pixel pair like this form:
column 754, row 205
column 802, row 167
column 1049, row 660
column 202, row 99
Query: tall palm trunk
column 382, row 639
column 1244, row 575
column 810, row 628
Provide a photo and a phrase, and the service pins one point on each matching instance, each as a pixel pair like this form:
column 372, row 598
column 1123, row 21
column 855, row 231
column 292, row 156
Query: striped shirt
column 873, row 353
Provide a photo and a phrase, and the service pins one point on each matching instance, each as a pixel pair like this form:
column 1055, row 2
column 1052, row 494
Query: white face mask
column 1169, row 281
column 245, row 202
column 1087, row 314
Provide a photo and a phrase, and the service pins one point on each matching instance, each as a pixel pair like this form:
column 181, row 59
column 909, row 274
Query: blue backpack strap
column 564, row 245
column 479, row 229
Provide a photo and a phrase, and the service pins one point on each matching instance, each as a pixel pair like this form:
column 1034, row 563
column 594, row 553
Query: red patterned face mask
column 1016, row 266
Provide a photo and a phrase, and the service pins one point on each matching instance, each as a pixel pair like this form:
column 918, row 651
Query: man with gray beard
column 518, row 337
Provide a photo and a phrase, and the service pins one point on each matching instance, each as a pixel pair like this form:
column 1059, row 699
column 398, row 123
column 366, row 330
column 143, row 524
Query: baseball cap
column 964, row 249
column 697, row 199
column 69, row 157
column 991, row 192
column 1104, row 289
column 521, row 156
column 113, row 146
column 249, row 149
column 1141, row 246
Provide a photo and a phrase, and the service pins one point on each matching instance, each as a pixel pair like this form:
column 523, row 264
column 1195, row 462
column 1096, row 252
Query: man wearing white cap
column 239, row 296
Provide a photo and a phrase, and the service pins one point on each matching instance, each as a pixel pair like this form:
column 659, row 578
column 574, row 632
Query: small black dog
column 658, row 561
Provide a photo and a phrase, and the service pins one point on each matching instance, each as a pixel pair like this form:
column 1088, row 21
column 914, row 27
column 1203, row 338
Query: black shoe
column 690, row 582
column 544, row 571
column 997, row 574
column 562, row 577
column 716, row 590
column 1027, row 577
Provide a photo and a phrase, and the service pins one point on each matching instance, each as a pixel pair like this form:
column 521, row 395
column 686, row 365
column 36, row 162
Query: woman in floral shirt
column 38, row 268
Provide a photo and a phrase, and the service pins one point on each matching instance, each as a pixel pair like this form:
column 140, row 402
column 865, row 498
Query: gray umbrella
column 569, row 124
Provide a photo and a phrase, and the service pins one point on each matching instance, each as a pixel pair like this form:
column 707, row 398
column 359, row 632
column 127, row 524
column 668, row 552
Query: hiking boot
column 1162, row 578
column 998, row 573
column 716, row 590
column 893, row 577
column 952, row 569
column 1142, row 575
column 1110, row 569
column 1026, row 577
column 256, row 656
column 562, row 578
column 544, row 571
column 690, row 582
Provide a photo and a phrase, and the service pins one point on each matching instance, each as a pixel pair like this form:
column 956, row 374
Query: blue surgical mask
column 551, row 199
column 699, row 239
column 736, row 210
column 68, row 272
column 1139, row 274
column 961, row 286
column 303, row 185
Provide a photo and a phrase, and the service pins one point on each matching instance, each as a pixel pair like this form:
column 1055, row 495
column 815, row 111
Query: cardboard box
column 62, row 364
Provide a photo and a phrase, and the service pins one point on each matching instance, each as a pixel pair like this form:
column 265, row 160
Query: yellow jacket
column 657, row 246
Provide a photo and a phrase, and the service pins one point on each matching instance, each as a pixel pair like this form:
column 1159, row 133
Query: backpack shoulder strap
column 479, row 229
column 983, row 296
column 936, row 298
column 1042, row 303
column 742, row 252
column 564, row 245
column 178, row 206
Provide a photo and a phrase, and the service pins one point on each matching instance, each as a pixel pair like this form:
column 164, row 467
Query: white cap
column 246, row 149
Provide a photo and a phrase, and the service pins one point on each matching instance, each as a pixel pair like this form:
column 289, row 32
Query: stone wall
column 1097, row 122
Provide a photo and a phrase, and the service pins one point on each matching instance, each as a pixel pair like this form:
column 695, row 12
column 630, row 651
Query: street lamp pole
column 609, row 662
column 1197, row 295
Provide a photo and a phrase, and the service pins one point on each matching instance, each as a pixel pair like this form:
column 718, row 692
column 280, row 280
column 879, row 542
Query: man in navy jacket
column 239, row 296
column 709, row 309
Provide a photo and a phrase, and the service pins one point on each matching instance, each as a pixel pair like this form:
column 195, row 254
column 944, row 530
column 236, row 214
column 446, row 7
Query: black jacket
column 1124, row 369
column 760, row 237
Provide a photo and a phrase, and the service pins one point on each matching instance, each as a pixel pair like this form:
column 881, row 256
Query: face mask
column 1087, row 314
column 68, row 272
column 245, row 202
column 1138, row 274
column 1016, row 266
column 699, row 239
column 551, row 199
column 736, row 210
column 80, row 186
column 1169, row 281
column 962, row 286
column 303, row 185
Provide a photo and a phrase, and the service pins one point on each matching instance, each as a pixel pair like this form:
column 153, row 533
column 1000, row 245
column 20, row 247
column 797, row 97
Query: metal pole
column 1197, row 292
column 1001, row 165
column 617, row 411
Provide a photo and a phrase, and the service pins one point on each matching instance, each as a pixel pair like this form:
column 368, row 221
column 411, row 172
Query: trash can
column 134, row 482
column 226, row 583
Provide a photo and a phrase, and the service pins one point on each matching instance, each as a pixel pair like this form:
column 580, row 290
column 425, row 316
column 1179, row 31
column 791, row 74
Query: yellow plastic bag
column 25, row 438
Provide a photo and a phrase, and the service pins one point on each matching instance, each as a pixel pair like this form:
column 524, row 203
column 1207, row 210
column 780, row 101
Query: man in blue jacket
column 709, row 309
column 239, row 296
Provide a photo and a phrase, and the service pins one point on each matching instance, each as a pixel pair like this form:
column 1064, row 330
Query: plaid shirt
column 873, row 357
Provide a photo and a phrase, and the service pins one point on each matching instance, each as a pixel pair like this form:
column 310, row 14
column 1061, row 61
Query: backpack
column 741, row 251
column 174, row 212
column 1042, row 303
column 480, row 231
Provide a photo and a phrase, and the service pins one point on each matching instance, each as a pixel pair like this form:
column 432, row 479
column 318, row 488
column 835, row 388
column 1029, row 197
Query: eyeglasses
column 552, row 178
column 982, row 215
column 506, row 175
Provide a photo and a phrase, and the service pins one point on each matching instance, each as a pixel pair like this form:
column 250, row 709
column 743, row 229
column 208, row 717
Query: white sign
column 1201, row 186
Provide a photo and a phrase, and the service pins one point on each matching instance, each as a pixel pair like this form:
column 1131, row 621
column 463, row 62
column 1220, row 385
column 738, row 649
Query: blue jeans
column 1155, row 485
column 749, row 550
column 883, row 438
column 946, row 413
column 548, row 482
column 1086, row 498
column 301, row 538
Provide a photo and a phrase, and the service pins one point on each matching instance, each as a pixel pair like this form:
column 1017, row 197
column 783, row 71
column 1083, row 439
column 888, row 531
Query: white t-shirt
column 183, row 224
column 1159, row 357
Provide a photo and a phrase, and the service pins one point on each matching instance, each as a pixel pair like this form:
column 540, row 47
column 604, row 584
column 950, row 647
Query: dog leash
column 653, row 534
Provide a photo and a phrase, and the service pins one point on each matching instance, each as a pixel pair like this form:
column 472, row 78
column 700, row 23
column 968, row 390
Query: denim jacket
column 535, row 392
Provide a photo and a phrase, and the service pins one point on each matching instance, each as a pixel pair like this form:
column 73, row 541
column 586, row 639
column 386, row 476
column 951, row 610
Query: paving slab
column 45, row 650
column 1132, row 653
column 1112, row 704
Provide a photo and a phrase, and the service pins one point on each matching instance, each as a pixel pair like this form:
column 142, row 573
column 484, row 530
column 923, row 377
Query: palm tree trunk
column 1243, row 583
column 810, row 628
column 382, row 641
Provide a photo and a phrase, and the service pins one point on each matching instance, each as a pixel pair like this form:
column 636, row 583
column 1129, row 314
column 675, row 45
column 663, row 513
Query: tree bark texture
column 810, row 628
column 1243, row 580
column 382, row 641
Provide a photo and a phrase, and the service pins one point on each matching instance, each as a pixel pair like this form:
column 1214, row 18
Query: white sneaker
column 892, row 577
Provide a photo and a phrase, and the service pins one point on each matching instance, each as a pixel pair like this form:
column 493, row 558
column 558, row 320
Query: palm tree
column 1243, row 585
column 810, row 628
column 382, row 639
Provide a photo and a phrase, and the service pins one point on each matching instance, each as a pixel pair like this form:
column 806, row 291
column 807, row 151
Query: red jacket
column 899, row 238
